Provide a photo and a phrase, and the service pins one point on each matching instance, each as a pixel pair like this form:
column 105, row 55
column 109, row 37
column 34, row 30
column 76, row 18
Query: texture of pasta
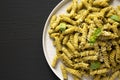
column 87, row 40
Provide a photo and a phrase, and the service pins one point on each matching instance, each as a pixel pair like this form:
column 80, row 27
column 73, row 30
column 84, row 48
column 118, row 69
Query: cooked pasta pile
column 87, row 40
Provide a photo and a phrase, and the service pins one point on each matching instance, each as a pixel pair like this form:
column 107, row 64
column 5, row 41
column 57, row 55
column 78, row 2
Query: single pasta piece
column 74, row 8
column 69, row 31
column 90, row 58
column 84, row 34
column 64, row 72
column 88, row 53
column 77, row 60
column 94, row 9
column 71, row 39
column 54, row 62
column 86, row 4
column 67, row 53
column 53, row 35
column 69, row 8
column 57, row 28
column 76, row 40
column 58, row 43
column 80, row 6
column 107, row 26
column 55, row 23
column 117, row 48
column 65, row 40
column 101, row 3
column 79, row 14
column 74, row 72
column 114, row 75
column 76, row 53
column 109, row 35
column 67, row 19
column 100, row 71
column 50, row 31
column 106, row 59
column 98, row 22
column 86, row 46
column 117, row 53
column 70, row 46
column 112, row 58
column 89, row 21
column 53, row 19
column 81, row 65
column 61, row 37
column 66, row 60
column 83, row 16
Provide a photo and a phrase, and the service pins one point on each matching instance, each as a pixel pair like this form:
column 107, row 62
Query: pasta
column 67, row 53
column 87, row 40
column 112, row 58
column 66, row 60
column 101, row 71
column 76, row 40
column 81, row 65
column 64, row 72
column 74, row 72
column 54, row 61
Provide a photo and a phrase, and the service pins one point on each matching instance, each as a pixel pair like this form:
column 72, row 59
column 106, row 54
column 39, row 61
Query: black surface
column 21, row 27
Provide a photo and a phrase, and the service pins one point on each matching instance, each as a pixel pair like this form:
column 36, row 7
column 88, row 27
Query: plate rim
column 54, row 10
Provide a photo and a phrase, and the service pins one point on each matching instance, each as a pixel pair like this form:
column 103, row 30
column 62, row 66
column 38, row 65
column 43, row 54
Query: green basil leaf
column 115, row 18
column 95, row 65
column 95, row 35
column 62, row 26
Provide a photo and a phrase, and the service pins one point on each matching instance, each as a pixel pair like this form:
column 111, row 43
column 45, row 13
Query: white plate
column 49, row 49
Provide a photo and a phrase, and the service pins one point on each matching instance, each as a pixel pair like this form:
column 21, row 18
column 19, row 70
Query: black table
column 21, row 27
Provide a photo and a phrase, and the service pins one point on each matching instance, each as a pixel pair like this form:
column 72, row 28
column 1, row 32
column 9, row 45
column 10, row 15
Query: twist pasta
column 64, row 72
column 58, row 43
column 112, row 58
column 76, row 40
column 88, row 53
column 100, row 3
column 66, row 60
column 81, row 65
column 54, row 61
column 68, row 54
column 101, row 71
column 90, row 58
column 106, row 59
column 74, row 72
column 65, row 40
